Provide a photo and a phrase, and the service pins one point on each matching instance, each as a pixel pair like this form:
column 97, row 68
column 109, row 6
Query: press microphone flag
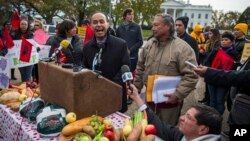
column 63, row 44
column 126, row 75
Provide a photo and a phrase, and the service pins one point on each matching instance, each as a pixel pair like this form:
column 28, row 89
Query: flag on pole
column 7, row 38
column 25, row 53
column 15, row 19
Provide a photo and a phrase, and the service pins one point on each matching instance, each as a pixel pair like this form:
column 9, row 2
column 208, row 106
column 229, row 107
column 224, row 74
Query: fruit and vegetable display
column 14, row 95
column 96, row 128
column 92, row 128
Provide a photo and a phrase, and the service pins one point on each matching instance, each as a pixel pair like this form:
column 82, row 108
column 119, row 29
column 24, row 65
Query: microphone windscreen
column 124, row 69
column 64, row 43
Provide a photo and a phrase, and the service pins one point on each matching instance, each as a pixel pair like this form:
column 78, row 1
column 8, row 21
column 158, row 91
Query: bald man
column 113, row 53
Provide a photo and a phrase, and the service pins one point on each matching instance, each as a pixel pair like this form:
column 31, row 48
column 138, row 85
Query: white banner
column 14, row 54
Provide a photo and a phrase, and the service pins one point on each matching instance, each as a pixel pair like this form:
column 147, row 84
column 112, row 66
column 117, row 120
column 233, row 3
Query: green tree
column 145, row 10
column 230, row 19
column 225, row 21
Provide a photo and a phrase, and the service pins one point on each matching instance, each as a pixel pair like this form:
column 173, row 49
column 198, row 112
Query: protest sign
column 4, row 72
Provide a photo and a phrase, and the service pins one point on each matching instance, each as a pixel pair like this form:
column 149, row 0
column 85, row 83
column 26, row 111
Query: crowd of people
column 217, row 57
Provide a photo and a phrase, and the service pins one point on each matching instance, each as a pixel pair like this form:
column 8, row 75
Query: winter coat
column 239, row 45
column 167, row 59
column 114, row 55
column 192, row 42
column 132, row 35
column 231, row 52
column 73, row 53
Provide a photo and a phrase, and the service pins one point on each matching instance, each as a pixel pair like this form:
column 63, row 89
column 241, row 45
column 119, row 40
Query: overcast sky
column 226, row 5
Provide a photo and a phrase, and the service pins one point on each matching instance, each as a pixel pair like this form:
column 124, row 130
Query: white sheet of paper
column 164, row 85
column 161, row 95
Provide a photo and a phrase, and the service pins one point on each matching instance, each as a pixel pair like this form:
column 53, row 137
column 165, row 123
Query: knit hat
column 228, row 35
column 184, row 20
column 241, row 27
column 197, row 28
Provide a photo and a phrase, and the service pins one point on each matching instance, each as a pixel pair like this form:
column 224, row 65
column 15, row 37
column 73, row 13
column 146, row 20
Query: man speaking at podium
column 106, row 54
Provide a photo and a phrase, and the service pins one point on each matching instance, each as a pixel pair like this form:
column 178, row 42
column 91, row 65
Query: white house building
column 201, row 14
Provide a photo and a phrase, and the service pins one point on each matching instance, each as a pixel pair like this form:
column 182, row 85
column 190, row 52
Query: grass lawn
column 146, row 34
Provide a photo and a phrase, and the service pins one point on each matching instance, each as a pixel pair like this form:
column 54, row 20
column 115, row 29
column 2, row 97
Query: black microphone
column 127, row 76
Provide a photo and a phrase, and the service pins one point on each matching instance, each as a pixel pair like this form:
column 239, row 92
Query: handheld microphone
column 63, row 44
column 126, row 75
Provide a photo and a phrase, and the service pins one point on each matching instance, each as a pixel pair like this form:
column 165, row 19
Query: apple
column 150, row 129
column 108, row 127
column 22, row 97
column 107, row 121
column 70, row 117
column 110, row 135
column 126, row 130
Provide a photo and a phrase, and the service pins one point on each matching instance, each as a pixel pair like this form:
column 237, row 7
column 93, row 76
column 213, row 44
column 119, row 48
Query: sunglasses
column 36, row 25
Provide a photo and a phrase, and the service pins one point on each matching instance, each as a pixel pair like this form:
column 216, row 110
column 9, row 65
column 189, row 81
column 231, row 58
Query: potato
column 89, row 130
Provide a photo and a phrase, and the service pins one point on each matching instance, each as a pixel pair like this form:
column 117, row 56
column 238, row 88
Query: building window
column 192, row 16
column 191, row 25
column 199, row 16
column 205, row 24
column 162, row 10
column 206, row 16
column 186, row 14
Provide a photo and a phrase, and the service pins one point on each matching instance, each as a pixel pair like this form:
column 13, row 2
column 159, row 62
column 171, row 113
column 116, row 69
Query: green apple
column 107, row 121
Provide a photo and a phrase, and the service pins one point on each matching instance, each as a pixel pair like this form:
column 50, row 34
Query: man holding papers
column 165, row 54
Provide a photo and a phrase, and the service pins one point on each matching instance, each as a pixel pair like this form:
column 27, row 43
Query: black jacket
column 192, row 42
column 170, row 133
column 240, row 79
column 239, row 45
column 114, row 55
column 73, row 53
column 132, row 35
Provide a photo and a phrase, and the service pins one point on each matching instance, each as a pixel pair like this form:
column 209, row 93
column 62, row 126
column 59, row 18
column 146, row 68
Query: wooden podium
column 81, row 92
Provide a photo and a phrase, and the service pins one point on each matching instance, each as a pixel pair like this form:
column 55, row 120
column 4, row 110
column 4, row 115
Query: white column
column 174, row 16
column 166, row 11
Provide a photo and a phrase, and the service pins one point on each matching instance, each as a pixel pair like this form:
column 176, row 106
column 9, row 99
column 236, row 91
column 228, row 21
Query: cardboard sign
column 245, row 53
column 81, row 32
column 40, row 36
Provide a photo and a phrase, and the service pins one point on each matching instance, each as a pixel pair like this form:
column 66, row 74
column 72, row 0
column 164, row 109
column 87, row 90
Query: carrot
column 16, row 87
column 135, row 133
column 29, row 91
column 145, row 115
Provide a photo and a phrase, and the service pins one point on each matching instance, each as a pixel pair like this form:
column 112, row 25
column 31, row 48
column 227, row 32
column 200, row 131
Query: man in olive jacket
column 165, row 54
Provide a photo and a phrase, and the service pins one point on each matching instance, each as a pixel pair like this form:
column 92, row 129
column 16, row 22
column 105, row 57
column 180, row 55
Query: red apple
column 150, row 129
column 108, row 127
column 110, row 135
